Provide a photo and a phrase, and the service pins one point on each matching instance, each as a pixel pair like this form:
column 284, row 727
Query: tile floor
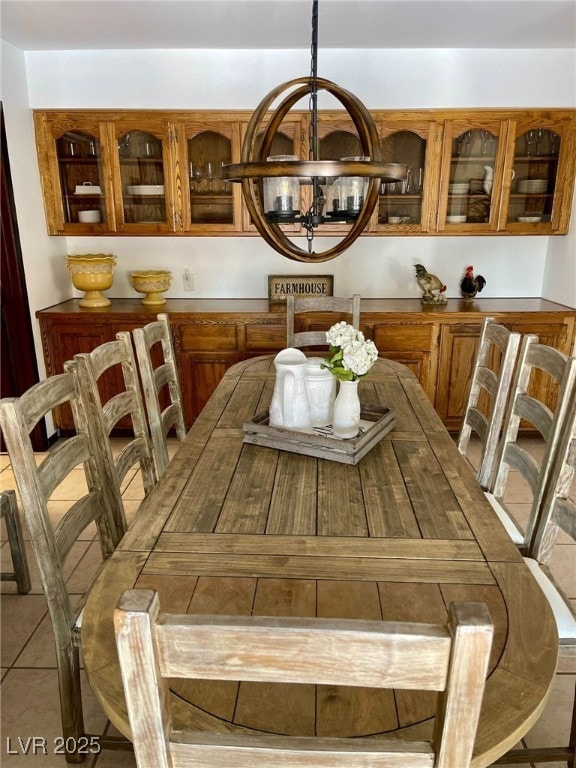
column 29, row 682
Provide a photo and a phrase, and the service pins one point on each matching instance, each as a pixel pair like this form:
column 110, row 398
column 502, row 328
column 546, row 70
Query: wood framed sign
column 281, row 286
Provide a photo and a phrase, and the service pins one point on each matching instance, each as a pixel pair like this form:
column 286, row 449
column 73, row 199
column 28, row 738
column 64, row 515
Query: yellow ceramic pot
column 92, row 273
column 151, row 282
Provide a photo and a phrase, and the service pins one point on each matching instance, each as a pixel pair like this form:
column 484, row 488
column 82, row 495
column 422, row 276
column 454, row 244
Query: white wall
column 560, row 272
column 230, row 267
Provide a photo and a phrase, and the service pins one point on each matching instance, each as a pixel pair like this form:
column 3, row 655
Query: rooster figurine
column 470, row 284
column 429, row 283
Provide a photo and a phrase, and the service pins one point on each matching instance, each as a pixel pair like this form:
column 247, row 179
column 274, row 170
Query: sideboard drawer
column 223, row 338
column 265, row 337
column 399, row 336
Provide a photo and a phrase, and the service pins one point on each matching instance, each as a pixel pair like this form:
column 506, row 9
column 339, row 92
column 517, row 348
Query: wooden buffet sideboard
column 210, row 335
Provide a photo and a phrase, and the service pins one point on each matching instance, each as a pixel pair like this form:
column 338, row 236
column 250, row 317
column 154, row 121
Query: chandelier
column 344, row 190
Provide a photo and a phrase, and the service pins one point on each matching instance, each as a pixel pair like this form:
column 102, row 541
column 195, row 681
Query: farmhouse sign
column 281, row 286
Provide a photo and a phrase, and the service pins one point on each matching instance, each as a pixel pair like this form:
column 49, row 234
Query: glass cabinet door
column 79, row 159
column 143, row 194
column 534, row 177
column 286, row 142
column 471, row 182
column 209, row 199
column 401, row 203
column 338, row 140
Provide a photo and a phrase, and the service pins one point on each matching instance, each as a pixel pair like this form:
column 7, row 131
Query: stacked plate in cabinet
column 459, row 188
column 532, row 186
column 145, row 189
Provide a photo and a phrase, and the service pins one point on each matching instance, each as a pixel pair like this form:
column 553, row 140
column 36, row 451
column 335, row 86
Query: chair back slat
column 547, row 359
column 488, row 380
column 517, row 457
column 163, row 375
column 336, row 304
column 54, row 391
column 535, row 413
column 62, row 459
column 153, row 647
column 312, row 651
column 78, row 517
column 194, row 750
column 478, row 422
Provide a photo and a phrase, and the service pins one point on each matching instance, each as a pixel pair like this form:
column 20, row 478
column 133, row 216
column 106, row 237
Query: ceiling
column 235, row 24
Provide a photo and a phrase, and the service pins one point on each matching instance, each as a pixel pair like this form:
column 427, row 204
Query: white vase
column 346, row 421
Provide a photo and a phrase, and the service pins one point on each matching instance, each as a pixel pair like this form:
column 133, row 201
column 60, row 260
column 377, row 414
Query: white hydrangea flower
column 353, row 356
column 341, row 334
column 359, row 356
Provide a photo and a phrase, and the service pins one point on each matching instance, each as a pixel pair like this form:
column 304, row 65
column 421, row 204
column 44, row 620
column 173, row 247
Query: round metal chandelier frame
column 254, row 166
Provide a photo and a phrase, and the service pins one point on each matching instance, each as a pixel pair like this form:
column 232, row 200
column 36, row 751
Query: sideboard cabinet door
column 458, row 346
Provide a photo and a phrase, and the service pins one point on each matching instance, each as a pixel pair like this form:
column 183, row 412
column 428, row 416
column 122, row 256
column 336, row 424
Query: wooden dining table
column 236, row 528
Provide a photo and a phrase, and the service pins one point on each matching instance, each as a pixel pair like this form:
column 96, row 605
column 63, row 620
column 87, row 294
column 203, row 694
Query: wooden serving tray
column 375, row 422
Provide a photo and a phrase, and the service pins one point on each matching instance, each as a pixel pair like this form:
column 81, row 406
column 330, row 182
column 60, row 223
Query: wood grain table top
column 243, row 529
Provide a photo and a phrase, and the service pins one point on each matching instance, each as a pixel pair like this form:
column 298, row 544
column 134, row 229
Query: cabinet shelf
column 403, row 198
column 529, row 195
column 143, row 198
column 207, row 198
column 536, row 158
column 472, row 159
column 475, row 196
column 141, row 161
column 78, row 160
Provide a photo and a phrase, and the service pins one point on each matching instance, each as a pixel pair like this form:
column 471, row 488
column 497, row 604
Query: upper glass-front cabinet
column 471, row 181
column 534, row 176
column 79, row 157
column 209, row 200
column 540, row 175
column 159, row 172
column 407, row 205
column 142, row 183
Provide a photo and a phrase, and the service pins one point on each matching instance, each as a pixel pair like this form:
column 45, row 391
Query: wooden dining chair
column 452, row 658
column 160, row 383
column 534, row 359
column 489, row 389
column 53, row 542
column 295, row 306
column 20, row 572
column 124, row 409
column 558, row 514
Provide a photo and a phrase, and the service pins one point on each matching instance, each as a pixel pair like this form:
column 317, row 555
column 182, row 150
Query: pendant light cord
column 315, row 211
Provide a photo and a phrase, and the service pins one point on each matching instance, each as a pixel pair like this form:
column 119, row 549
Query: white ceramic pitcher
column 321, row 391
column 289, row 407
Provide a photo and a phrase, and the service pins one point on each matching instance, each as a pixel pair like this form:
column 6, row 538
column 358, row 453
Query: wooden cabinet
column 159, row 172
column 507, row 172
column 211, row 334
